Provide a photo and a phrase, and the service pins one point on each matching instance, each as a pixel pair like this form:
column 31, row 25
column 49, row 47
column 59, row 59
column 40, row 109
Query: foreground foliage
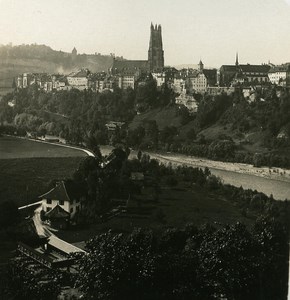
column 230, row 262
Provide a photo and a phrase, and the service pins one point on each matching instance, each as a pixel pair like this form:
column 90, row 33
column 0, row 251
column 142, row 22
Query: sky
column 211, row 30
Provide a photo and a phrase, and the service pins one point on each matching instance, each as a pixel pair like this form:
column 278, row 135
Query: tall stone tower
column 155, row 52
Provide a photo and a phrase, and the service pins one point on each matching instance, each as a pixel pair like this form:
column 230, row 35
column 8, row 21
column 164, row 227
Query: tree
column 139, row 155
column 191, row 135
column 117, row 267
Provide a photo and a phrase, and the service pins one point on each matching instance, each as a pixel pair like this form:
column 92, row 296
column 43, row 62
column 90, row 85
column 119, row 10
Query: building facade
column 243, row 74
column 66, row 195
column 78, row 80
column 154, row 63
column 280, row 75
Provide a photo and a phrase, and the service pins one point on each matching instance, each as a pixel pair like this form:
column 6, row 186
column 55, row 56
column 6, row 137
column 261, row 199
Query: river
column 245, row 176
column 279, row 189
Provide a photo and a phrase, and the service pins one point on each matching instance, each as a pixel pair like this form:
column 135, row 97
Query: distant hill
column 15, row 60
column 191, row 66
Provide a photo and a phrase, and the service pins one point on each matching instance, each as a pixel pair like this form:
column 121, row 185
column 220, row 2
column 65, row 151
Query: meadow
column 12, row 147
column 175, row 207
column 27, row 168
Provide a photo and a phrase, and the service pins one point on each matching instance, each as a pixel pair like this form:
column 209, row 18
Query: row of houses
column 252, row 75
column 81, row 80
column 200, row 80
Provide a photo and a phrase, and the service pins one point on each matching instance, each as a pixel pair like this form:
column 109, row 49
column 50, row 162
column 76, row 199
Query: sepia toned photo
column 144, row 149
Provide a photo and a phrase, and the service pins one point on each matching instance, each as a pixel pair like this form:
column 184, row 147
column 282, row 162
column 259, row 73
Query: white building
column 188, row 101
column 197, row 83
column 280, row 75
column 66, row 195
column 126, row 80
column 178, row 85
column 160, row 78
column 78, row 80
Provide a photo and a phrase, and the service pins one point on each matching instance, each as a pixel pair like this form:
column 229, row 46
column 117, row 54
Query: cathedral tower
column 155, row 52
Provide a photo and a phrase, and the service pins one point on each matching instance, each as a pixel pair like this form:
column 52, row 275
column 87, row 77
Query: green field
column 23, row 180
column 179, row 206
column 12, row 147
column 27, row 168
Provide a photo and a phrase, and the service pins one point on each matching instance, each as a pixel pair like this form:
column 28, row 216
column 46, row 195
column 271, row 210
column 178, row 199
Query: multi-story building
column 79, row 80
column 280, row 75
column 127, row 80
column 59, row 82
column 160, row 78
column 178, row 84
column 245, row 75
column 195, row 80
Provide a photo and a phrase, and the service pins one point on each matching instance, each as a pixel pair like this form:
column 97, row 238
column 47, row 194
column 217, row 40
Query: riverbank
column 265, row 172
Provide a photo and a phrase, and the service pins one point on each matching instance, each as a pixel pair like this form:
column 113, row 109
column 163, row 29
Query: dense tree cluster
column 230, row 262
column 25, row 279
column 80, row 116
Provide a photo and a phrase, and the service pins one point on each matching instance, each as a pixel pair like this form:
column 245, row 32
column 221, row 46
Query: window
column 71, row 210
column 61, row 202
column 48, row 201
column 78, row 208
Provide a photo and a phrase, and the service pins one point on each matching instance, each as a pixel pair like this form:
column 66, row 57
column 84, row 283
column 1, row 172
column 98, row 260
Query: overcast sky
column 192, row 29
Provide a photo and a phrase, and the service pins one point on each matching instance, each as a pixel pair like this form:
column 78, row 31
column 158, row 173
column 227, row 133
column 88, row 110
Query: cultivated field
column 27, row 168
column 12, row 147
column 23, row 180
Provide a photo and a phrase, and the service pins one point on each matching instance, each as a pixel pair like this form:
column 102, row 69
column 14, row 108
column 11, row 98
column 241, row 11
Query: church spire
column 237, row 59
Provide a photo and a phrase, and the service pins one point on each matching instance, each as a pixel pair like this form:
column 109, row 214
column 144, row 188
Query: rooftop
column 57, row 213
column 65, row 190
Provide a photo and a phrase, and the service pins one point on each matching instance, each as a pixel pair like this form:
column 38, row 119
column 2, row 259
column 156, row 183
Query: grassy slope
column 163, row 116
column 27, row 167
column 251, row 142
column 180, row 206
column 11, row 147
column 23, row 180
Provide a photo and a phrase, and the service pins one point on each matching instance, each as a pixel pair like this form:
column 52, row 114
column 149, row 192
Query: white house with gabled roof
column 66, row 194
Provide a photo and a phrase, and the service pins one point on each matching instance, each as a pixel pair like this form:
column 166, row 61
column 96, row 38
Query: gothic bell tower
column 155, row 52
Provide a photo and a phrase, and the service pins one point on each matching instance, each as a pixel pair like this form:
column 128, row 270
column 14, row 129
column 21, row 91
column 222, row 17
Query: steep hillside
column 166, row 116
column 15, row 60
column 224, row 128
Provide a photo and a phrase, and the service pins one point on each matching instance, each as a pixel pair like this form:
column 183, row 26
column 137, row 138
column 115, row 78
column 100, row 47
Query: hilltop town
column 186, row 82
